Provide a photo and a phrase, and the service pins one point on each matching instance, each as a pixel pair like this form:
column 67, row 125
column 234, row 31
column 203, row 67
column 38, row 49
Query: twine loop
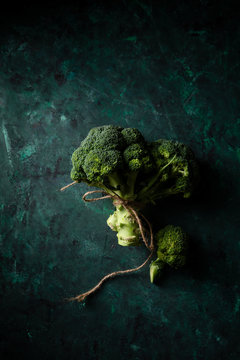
column 129, row 206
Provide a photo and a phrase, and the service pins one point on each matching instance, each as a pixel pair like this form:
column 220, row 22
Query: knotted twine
column 127, row 204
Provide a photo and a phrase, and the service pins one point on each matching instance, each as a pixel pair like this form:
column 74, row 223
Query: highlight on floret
column 120, row 162
column 171, row 250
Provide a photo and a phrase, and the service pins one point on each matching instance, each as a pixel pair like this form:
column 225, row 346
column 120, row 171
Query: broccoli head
column 119, row 161
column 171, row 250
column 110, row 158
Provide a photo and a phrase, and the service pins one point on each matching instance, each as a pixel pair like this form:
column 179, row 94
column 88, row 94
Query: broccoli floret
column 175, row 173
column 138, row 158
column 171, row 250
column 109, row 162
column 132, row 136
column 98, row 164
column 121, row 162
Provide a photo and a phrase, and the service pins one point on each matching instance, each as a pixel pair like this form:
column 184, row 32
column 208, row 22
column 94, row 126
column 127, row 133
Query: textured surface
column 171, row 71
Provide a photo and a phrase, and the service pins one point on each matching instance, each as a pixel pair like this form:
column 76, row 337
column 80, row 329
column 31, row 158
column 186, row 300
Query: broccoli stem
column 158, row 193
column 127, row 229
column 115, row 182
column 156, row 268
column 131, row 181
column 121, row 220
column 124, row 188
column 152, row 183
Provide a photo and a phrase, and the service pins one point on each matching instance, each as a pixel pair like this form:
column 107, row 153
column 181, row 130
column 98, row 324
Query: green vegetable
column 119, row 161
column 171, row 250
column 128, row 232
column 156, row 268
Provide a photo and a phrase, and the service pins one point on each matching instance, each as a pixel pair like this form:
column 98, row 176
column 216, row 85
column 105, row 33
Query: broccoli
column 171, row 250
column 120, row 162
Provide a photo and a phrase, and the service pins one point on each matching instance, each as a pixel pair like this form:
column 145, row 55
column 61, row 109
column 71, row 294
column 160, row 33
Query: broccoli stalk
column 127, row 228
column 120, row 162
column 156, row 268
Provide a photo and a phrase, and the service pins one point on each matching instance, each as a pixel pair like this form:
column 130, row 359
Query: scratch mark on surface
column 189, row 98
column 93, row 88
column 7, row 144
column 168, row 119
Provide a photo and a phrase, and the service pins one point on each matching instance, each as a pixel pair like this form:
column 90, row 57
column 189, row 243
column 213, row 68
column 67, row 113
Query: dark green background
column 172, row 70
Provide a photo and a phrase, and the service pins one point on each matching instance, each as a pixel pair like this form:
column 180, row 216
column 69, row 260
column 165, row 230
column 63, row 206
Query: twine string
column 67, row 186
column 117, row 200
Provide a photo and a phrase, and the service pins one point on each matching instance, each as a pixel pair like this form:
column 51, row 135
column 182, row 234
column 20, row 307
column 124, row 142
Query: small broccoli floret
column 132, row 136
column 78, row 175
column 137, row 158
column 171, row 250
column 77, row 172
column 99, row 164
column 172, row 246
column 138, row 163
column 109, row 138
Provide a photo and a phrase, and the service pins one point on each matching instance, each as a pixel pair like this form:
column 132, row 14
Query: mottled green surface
column 171, row 71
